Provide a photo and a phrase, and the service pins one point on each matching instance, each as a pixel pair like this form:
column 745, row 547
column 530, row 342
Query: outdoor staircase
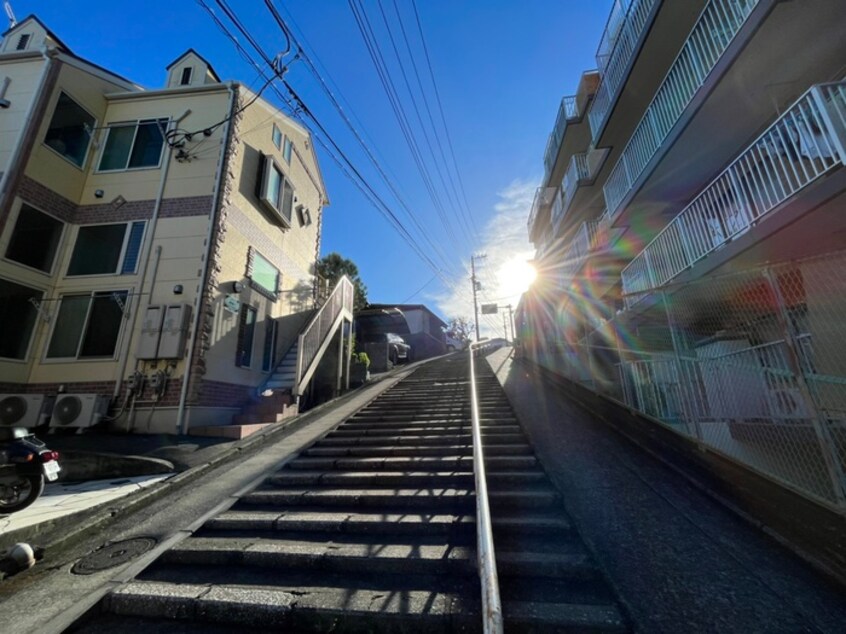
column 372, row 529
column 277, row 398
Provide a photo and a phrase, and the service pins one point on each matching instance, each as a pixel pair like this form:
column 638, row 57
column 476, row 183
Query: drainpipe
column 217, row 201
column 15, row 166
column 145, row 264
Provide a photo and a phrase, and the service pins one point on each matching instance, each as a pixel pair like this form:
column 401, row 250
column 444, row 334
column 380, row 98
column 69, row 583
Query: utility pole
column 476, row 287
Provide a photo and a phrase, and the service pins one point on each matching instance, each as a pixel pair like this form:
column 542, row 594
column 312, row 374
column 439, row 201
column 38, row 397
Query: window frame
column 182, row 77
column 287, row 149
column 56, row 257
column 276, row 134
column 246, row 309
column 91, row 295
column 124, row 246
column 137, row 123
column 268, row 163
column 273, row 294
column 33, row 335
column 94, row 127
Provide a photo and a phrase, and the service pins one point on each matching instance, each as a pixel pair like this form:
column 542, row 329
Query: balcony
column 627, row 24
column 539, row 216
column 799, row 148
column 577, row 174
column 567, row 111
column 715, row 29
column 584, row 242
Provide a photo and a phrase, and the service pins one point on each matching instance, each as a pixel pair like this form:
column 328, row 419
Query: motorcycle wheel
column 18, row 492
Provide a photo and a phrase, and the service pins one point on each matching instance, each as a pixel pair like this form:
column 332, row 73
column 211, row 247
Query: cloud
column 505, row 241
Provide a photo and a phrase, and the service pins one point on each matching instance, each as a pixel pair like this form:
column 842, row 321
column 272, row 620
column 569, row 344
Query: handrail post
column 486, row 558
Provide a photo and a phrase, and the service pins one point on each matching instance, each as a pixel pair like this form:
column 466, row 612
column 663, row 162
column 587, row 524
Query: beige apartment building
column 691, row 235
column 157, row 246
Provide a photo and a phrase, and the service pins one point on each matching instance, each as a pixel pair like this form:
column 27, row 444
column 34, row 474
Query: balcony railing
column 714, row 30
column 577, row 172
column 583, row 244
column 615, row 53
column 567, row 111
column 543, row 198
column 805, row 143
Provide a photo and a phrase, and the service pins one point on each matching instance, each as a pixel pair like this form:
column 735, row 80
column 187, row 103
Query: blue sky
column 501, row 69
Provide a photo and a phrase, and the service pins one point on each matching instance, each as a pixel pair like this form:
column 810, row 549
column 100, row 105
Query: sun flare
column 515, row 276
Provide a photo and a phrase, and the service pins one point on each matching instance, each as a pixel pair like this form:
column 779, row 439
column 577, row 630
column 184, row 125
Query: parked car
column 453, row 344
column 398, row 350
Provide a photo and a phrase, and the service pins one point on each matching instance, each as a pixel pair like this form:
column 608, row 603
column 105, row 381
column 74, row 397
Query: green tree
column 460, row 328
column 333, row 267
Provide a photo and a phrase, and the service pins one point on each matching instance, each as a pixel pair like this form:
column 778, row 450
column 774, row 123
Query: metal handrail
column 485, row 555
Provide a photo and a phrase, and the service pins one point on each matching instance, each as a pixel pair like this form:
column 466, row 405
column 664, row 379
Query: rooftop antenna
column 13, row 21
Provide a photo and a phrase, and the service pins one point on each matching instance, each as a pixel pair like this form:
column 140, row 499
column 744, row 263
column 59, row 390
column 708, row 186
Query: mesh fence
column 752, row 365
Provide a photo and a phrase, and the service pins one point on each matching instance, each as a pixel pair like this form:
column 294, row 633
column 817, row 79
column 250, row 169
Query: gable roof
column 34, row 18
column 191, row 51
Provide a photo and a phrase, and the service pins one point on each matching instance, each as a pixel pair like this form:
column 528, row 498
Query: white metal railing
column 616, row 18
column 716, row 27
column 577, row 172
column 566, row 111
column 485, row 553
column 616, row 50
column 543, row 198
column 802, row 145
column 313, row 337
column 584, row 242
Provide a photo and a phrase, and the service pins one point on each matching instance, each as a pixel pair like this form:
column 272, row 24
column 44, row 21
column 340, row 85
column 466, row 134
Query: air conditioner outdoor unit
column 78, row 410
column 25, row 410
column 787, row 404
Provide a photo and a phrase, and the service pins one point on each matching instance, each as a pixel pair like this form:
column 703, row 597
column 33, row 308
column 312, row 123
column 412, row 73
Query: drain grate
column 113, row 555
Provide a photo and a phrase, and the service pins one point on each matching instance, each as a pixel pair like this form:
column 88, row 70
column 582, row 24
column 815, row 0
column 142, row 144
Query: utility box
column 177, row 318
column 151, row 330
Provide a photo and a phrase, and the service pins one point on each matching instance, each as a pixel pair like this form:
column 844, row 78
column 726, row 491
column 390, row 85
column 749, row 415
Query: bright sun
column 515, row 276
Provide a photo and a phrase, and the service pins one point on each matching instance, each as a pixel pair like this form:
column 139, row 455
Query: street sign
column 489, row 309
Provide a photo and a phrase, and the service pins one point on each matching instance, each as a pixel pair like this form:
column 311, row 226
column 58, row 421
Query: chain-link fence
column 752, row 365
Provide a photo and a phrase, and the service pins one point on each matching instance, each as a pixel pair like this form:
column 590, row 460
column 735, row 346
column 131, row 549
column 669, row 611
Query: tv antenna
column 13, row 21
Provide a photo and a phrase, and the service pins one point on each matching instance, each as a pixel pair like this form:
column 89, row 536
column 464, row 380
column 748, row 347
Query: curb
column 82, row 522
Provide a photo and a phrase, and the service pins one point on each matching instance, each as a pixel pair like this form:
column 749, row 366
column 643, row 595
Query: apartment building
column 690, row 235
column 157, row 246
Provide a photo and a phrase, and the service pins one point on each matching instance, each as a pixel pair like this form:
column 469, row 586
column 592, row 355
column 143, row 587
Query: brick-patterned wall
column 218, row 394
column 44, row 198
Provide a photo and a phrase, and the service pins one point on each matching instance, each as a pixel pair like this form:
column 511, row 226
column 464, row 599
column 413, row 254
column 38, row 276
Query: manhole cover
column 112, row 555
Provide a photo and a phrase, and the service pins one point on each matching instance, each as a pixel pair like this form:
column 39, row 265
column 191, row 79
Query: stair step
column 401, row 450
column 332, row 440
column 433, row 499
column 418, row 556
column 384, row 523
column 494, row 463
column 396, row 478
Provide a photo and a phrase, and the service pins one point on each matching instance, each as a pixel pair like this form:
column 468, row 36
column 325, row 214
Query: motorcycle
column 26, row 464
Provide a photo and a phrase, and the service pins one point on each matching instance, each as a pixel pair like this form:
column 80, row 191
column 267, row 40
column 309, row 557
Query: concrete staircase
column 372, row 529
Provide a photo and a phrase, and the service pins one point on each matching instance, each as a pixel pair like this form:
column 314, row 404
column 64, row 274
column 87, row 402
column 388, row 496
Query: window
column 70, row 130
column 286, row 152
column 18, row 316
column 277, row 137
column 271, row 328
column 107, row 249
column 246, row 335
column 35, row 239
column 275, row 191
column 23, row 41
column 133, row 145
column 186, row 76
column 263, row 276
column 88, row 326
